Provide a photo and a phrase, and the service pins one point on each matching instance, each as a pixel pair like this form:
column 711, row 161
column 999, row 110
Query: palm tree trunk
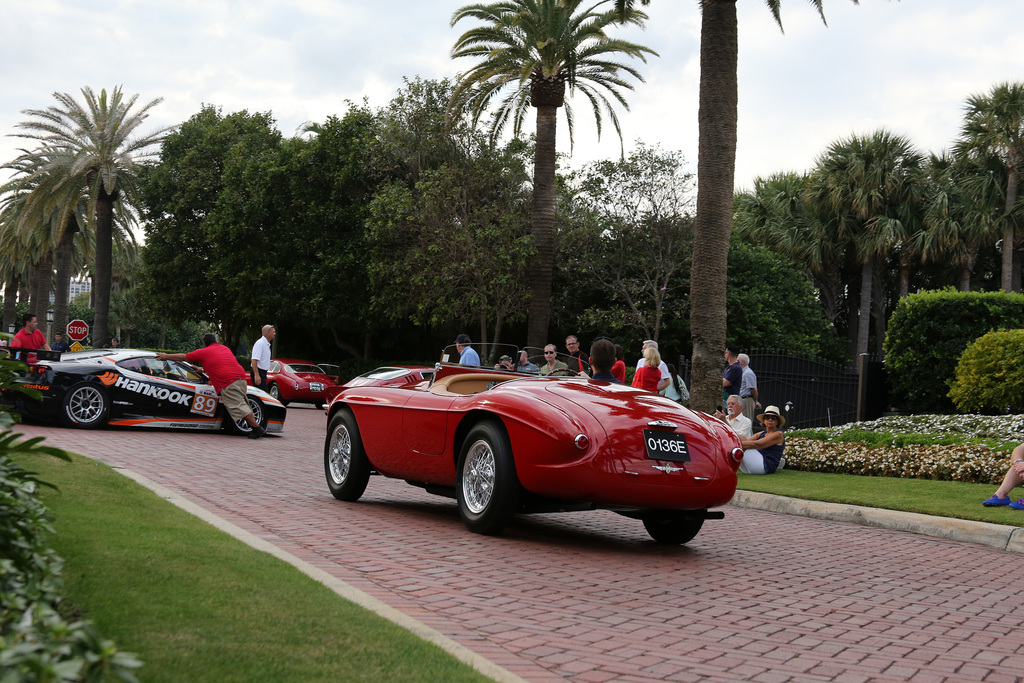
column 102, row 273
column 42, row 283
column 905, row 262
column 10, row 302
column 63, row 286
column 1009, row 231
column 864, row 317
column 968, row 266
column 716, row 164
column 878, row 310
column 543, row 228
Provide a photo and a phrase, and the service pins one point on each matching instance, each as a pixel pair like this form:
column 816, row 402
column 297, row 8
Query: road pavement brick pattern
column 589, row 597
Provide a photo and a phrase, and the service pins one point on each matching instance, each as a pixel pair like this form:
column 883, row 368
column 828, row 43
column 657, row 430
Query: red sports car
column 298, row 381
column 503, row 442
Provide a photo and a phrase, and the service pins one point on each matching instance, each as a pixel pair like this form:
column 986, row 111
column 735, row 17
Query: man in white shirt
column 666, row 378
column 261, row 357
column 740, row 423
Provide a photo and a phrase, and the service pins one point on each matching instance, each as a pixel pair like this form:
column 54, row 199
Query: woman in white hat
column 762, row 454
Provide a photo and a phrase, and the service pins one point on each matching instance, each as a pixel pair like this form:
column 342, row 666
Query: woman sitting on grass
column 1014, row 478
column 762, row 454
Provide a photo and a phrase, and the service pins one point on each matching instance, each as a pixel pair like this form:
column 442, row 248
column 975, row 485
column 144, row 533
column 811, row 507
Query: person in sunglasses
column 551, row 361
column 762, row 454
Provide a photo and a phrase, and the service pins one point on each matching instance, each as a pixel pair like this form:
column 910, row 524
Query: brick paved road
column 589, row 597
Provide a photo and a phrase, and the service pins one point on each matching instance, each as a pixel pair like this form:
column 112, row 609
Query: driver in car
column 552, row 363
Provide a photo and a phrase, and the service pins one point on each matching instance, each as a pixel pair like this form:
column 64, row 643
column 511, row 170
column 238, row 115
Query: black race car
column 131, row 388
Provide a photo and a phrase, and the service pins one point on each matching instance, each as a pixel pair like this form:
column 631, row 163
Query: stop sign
column 78, row 330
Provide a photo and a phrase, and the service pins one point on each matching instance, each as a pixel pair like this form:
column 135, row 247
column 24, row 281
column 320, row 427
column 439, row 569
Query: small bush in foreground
column 36, row 643
column 990, row 375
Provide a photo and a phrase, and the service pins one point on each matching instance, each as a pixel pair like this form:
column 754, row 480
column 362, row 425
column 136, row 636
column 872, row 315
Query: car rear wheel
column 85, row 406
column 345, row 462
column 487, row 487
column 241, row 426
column 672, row 529
column 275, row 391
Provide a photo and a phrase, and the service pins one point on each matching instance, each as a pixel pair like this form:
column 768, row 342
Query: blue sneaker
column 995, row 501
column 1018, row 504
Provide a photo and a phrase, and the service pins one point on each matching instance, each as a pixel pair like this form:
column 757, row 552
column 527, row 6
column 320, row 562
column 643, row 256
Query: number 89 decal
column 205, row 403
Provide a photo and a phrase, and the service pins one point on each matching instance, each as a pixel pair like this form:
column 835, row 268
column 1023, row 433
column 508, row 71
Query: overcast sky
column 907, row 66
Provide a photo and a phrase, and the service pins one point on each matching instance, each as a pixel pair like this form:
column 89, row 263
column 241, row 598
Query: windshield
column 305, row 367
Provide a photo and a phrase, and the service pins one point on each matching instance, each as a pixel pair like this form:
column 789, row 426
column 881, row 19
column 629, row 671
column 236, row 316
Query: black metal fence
column 812, row 392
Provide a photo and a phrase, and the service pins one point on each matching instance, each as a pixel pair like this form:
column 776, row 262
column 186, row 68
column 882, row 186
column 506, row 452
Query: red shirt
column 29, row 340
column 219, row 364
column 619, row 370
column 647, row 378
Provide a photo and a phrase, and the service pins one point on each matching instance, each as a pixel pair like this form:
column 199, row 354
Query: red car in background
column 291, row 380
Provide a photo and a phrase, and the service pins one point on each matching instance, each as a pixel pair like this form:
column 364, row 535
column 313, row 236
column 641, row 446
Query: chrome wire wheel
column 478, row 476
column 86, row 404
column 339, row 459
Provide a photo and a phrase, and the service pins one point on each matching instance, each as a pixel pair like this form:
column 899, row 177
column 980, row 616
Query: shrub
column 36, row 643
column 990, row 375
column 929, row 331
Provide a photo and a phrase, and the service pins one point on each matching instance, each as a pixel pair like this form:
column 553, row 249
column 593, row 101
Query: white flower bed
column 970, row 462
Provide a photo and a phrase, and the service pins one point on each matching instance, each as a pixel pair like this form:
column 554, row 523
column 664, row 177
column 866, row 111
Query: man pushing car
column 227, row 377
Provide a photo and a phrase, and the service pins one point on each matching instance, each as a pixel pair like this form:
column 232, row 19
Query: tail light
column 736, row 455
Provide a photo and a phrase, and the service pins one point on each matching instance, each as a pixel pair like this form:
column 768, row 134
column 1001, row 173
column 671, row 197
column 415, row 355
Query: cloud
column 906, row 66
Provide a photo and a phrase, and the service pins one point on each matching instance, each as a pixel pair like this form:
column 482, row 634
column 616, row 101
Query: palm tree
column 716, row 165
column 958, row 210
column 531, row 50
column 94, row 150
column 874, row 186
column 779, row 214
column 994, row 126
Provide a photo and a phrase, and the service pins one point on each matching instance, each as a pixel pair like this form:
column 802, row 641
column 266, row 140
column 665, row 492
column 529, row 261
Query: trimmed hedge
column 926, row 336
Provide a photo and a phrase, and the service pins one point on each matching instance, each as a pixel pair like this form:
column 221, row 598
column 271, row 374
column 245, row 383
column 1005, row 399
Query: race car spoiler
column 31, row 356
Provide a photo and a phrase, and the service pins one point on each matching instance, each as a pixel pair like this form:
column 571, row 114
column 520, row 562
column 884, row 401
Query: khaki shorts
column 233, row 399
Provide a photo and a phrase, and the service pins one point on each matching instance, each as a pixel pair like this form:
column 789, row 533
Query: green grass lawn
column 943, row 498
column 197, row 605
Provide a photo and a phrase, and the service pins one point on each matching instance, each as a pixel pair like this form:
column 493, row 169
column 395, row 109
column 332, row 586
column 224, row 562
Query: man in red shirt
column 226, row 376
column 30, row 337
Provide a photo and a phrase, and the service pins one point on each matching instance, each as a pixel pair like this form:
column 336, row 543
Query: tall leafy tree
column 455, row 246
column 528, row 52
column 211, row 207
column 93, row 148
column 994, row 127
column 716, row 168
column 630, row 233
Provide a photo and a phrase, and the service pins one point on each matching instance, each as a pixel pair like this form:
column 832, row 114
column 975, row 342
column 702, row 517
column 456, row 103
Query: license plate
column 316, row 386
column 666, row 446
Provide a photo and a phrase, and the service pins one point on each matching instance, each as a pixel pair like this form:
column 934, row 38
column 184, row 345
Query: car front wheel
column 487, row 487
column 345, row 462
column 672, row 529
column 85, row 406
column 241, row 427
